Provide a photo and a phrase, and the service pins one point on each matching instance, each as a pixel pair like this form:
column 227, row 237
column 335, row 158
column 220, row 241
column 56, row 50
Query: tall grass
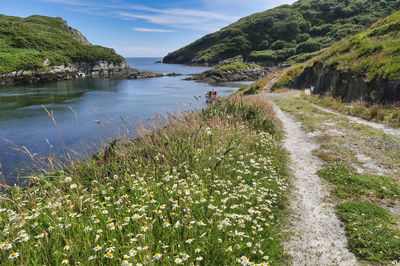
column 381, row 113
column 206, row 189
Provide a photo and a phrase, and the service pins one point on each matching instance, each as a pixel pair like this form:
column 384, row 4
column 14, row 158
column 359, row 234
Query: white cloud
column 204, row 20
column 185, row 22
column 151, row 30
column 209, row 19
column 178, row 12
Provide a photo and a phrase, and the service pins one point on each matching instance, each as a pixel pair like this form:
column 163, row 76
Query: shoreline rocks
column 251, row 74
column 102, row 69
column 149, row 74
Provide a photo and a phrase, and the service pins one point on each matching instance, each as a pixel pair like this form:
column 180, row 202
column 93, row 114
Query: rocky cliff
column 364, row 66
column 347, row 85
column 102, row 69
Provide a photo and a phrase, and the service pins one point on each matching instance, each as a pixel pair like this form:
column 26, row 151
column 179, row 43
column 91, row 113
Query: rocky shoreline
column 136, row 74
column 104, row 69
column 251, row 74
column 101, row 69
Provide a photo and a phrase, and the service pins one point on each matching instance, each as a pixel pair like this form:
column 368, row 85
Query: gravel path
column 317, row 236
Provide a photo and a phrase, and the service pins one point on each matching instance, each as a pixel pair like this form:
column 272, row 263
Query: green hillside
column 290, row 32
column 25, row 43
column 373, row 53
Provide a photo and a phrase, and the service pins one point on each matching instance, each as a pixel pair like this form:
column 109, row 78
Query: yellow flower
column 97, row 248
column 109, row 255
column 13, row 255
column 157, row 256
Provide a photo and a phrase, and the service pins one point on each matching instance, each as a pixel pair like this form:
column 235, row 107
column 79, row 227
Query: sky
column 142, row 28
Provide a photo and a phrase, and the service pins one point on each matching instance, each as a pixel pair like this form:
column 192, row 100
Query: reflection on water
column 89, row 110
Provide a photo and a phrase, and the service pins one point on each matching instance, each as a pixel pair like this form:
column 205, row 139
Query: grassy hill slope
column 364, row 66
column 25, row 43
column 294, row 32
column 373, row 53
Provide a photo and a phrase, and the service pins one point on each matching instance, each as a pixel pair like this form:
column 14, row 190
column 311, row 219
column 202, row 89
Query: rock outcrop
column 145, row 75
column 347, row 85
column 251, row 74
column 148, row 74
column 101, row 69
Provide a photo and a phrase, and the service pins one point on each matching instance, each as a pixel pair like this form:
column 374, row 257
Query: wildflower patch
column 207, row 189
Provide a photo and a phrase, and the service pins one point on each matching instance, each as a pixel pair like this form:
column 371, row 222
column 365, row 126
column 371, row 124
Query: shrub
column 308, row 47
column 380, row 116
column 373, row 112
column 360, row 111
column 20, row 42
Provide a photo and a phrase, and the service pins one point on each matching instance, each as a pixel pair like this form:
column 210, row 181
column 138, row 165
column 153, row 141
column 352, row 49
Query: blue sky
column 142, row 27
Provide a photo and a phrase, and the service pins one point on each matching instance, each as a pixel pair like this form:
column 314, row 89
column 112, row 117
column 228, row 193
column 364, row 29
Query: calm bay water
column 79, row 105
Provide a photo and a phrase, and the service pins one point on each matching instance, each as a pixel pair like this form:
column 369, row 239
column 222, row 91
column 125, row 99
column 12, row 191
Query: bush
column 279, row 45
column 396, row 116
column 20, row 42
column 377, row 113
column 380, row 116
column 373, row 112
column 360, row 111
column 308, row 47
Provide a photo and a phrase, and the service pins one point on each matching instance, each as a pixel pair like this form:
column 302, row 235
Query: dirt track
column 317, row 236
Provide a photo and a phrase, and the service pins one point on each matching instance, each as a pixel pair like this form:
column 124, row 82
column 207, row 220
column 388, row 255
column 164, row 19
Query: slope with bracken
column 291, row 33
column 361, row 67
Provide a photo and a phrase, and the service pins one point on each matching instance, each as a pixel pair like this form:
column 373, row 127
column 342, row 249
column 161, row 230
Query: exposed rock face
column 102, row 69
column 211, row 76
column 75, row 33
column 347, row 85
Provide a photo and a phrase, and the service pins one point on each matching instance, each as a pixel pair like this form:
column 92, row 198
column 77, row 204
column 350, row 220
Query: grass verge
column 371, row 232
column 389, row 114
column 349, row 184
column 207, row 189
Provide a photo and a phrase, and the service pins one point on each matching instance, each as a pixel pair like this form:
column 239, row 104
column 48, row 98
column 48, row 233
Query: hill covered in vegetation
column 361, row 67
column 292, row 33
column 26, row 43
